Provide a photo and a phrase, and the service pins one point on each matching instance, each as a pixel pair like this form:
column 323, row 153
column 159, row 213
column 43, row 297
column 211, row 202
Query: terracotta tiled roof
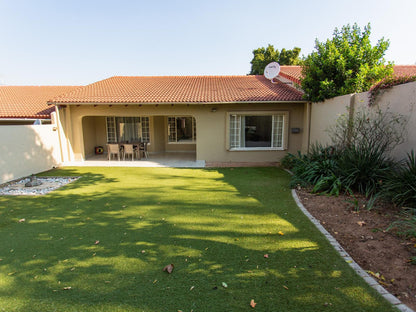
column 293, row 73
column 29, row 101
column 404, row 70
column 181, row 89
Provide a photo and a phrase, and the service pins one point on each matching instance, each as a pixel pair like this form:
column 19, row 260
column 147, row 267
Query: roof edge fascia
column 176, row 103
column 22, row 119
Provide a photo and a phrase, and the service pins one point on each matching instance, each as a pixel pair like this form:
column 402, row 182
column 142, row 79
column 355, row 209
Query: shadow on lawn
column 110, row 246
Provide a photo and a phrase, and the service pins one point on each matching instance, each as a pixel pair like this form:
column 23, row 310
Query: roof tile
column 181, row 89
column 28, row 101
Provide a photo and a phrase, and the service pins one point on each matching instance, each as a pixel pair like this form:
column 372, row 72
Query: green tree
column 263, row 56
column 347, row 63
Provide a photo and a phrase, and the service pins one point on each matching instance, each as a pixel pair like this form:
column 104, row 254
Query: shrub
column 400, row 184
column 318, row 169
column 363, row 142
column 357, row 159
column 289, row 161
column 363, row 168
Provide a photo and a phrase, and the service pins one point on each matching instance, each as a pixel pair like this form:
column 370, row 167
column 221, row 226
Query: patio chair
column 113, row 149
column 128, row 150
column 143, row 149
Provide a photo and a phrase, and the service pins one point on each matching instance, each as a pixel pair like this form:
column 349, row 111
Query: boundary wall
column 400, row 99
column 27, row 149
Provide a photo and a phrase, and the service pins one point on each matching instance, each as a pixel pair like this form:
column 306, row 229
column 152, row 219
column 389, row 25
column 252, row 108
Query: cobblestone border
column 370, row 281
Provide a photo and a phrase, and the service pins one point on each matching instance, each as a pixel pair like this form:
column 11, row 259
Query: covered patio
column 165, row 159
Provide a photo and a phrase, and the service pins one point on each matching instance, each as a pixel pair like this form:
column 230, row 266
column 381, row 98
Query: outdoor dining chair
column 143, row 149
column 128, row 149
column 113, row 149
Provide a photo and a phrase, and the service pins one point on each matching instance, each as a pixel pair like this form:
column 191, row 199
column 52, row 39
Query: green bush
column 317, row 169
column 289, row 160
column 400, row 185
column 363, row 168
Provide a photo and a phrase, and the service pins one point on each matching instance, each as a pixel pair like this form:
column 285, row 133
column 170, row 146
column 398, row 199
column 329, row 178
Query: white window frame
column 234, row 125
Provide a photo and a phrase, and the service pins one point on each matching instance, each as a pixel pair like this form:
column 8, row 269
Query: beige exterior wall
column 88, row 124
column 26, row 150
column 400, row 99
column 324, row 114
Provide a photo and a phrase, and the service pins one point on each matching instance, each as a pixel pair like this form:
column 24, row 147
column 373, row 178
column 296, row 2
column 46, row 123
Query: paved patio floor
column 175, row 160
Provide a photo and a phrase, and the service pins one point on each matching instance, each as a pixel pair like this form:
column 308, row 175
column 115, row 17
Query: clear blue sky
column 76, row 42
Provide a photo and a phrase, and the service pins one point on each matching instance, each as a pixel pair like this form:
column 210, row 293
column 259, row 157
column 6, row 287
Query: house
column 21, row 105
column 216, row 118
column 219, row 119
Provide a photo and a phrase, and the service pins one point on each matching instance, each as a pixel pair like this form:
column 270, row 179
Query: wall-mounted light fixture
column 213, row 110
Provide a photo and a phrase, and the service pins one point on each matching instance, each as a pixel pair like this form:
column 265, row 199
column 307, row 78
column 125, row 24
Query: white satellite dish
column 271, row 71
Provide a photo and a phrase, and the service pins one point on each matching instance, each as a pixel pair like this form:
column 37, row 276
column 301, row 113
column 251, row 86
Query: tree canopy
column 263, row 56
column 347, row 63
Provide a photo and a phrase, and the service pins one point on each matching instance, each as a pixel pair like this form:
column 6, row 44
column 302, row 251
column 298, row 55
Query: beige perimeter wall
column 26, row 150
column 400, row 99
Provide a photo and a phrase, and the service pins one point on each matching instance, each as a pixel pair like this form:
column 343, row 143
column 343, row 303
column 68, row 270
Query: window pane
column 235, row 128
column 181, row 129
column 127, row 129
column 145, row 129
column 172, row 129
column 184, row 128
column 111, row 130
column 278, row 131
column 258, row 131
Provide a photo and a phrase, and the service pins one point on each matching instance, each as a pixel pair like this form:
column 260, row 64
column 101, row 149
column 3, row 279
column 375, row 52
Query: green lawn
column 215, row 226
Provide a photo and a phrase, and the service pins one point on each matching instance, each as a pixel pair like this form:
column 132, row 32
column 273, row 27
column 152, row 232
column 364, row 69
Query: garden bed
column 362, row 233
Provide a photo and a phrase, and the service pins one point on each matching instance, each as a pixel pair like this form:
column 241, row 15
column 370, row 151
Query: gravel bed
column 48, row 184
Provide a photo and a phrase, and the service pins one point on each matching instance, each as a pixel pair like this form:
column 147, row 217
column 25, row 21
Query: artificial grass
column 100, row 244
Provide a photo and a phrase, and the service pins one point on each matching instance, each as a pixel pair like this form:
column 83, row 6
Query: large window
column 257, row 131
column 181, row 129
column 127, row 129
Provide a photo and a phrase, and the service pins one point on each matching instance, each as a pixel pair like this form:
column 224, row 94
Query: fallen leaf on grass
column 191, row 288
column 252, row 303
column 169, row 268
column 285, row 287
column 22, row 220
column 266, row 255
column 96, row 242
column 223, row 284
column 67, row 288
column 280, row 233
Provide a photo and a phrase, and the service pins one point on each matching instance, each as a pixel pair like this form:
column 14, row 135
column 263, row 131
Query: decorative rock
column 44, row 186
column 33, row 181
